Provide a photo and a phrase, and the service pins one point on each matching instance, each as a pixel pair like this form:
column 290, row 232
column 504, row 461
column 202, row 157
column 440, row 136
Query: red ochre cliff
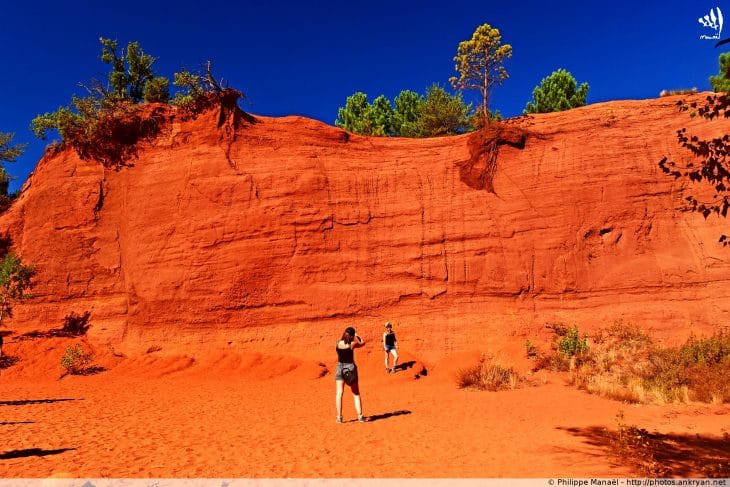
column 277, row 233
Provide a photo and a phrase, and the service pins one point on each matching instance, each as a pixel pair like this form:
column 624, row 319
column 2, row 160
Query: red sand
column 251, row 415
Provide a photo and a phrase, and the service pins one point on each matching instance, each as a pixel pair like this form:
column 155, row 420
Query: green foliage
column 438, row 113
column 359, row 117
column 80, row 117
column 192, row 85
column 568, row 349
column 721, row 82
column 407, row 114
column 15, row 281
column 556, row 93
column 130, row 80
column 131, row 70
column 442, row 113
column 75, row 359
column 700, row 366
column 195, row 84
column 9, row 152
column 381, row 114
column 157, row 90
column 118, row 76
column 480, row 63
column 571, row 344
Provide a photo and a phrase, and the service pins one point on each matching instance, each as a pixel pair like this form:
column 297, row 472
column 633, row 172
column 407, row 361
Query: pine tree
column 407, row 113
column 721, row 82
column 480, row 63
column 442, row 113
column 556, row 93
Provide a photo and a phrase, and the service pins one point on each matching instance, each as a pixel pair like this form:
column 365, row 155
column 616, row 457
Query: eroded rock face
column 281, row 232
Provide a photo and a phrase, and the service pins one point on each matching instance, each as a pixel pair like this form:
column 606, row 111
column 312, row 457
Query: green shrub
column 75, row 359
column 565, row 349
column 530, row 349
column 571, row 344
column 15, row 282
column 696, row 370
column 107, row 124
column 157, row 90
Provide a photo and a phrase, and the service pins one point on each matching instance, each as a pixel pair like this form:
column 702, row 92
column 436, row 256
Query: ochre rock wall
column 281, row 232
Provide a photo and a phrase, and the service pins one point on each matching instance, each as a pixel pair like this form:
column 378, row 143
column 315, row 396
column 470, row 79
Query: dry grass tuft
column 487, row 376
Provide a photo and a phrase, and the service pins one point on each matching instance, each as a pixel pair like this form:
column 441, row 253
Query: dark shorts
column 341, row 367
column 389, row 348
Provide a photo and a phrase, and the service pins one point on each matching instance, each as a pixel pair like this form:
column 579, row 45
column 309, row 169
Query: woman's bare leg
column 358, row 400
column 338, row 397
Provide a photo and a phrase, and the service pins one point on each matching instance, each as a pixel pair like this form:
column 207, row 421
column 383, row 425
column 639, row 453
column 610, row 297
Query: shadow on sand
column 408, row 365
column 676, row 454
column 25, row 402
column 7, row 423
column 32, row 452
column 378, row 417
column 7, row 361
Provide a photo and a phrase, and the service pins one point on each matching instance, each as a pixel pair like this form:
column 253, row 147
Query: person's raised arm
column 357, row 342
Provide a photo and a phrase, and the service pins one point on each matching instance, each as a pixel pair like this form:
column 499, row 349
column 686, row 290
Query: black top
column 390, row 339
column 345, row 355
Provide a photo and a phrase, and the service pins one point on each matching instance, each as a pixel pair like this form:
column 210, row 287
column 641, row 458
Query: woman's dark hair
column 349, row 335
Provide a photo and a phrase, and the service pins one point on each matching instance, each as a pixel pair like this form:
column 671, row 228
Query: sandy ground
column 248, row 415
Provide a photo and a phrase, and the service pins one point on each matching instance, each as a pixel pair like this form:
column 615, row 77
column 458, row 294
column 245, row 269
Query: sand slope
column 244, row 415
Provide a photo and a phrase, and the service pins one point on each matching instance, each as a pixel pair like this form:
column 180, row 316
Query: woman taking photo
column 347, row 371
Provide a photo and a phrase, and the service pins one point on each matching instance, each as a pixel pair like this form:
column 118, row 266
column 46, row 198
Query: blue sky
column 305, row 58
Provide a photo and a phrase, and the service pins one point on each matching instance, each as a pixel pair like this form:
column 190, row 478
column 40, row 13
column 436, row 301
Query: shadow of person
column 378, row 417
column 23, row 402
column 32, row 452
column 404, row 366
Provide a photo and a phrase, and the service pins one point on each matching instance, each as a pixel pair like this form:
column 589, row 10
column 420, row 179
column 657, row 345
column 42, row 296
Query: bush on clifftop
column 107, row 123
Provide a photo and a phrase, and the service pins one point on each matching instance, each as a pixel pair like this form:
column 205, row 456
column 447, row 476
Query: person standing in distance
column 346, row 372
column 389, row 345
